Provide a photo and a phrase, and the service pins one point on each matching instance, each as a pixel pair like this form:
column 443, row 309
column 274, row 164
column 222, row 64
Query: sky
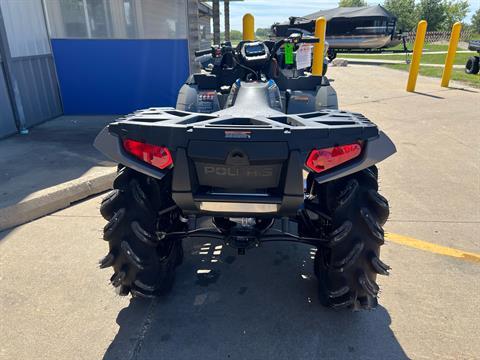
column 267, row 12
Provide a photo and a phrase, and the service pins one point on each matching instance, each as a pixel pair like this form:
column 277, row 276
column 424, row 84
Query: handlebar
column 203, row 52
column 278, row 44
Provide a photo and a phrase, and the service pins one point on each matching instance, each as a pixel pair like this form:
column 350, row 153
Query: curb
column 393, row 62
column 55, row 198
column 373, row 61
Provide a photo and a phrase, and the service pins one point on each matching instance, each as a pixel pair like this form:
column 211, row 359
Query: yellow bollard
column 319, row 48
column 248, row 27
column 452, row 50
column 417, row 55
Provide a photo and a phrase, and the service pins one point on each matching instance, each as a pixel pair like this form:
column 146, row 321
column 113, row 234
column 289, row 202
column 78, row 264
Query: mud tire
column 348, row 264
column 473, row 65
column 142, row 258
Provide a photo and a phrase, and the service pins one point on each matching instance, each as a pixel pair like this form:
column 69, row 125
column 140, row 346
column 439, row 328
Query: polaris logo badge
column 235, row 171
column 235, row 134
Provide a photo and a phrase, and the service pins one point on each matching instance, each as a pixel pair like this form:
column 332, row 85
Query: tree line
column 440, row 14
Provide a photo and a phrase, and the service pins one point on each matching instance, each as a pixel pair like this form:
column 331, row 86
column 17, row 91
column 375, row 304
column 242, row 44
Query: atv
column 255, row 151
column 209, row 90
column 473, row 63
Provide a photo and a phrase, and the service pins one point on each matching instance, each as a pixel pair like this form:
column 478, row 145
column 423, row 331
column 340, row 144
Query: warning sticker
column 304, row 56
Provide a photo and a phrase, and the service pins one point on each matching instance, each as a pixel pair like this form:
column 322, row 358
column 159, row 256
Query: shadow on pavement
column 260, row 306
column 52, row 153
column 429, row 95
column 4, row 234
column 463, row 89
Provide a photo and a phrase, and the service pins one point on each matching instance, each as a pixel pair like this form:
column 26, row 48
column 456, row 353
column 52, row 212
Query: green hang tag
column 288, row 54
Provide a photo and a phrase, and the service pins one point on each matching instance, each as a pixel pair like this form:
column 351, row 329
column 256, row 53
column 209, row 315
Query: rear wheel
column 350, row 213
column 140, row 212
column 473, row 65
column 331, row 54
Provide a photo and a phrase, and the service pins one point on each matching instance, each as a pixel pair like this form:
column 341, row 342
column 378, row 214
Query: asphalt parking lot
column 56, row 304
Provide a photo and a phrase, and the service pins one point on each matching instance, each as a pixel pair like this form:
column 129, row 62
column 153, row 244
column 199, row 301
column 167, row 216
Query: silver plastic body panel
column 252, row 99
column 187, row 98
column 375, row 151
column 304, row 101
column 325, row 97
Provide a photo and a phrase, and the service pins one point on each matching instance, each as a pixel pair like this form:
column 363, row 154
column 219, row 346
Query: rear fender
column 110, row 145
column 375, row 150
column 191, row 98
column 326, row 98
column 304, row 101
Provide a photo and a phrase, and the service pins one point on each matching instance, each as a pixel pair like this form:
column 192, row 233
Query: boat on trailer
column 365, row 29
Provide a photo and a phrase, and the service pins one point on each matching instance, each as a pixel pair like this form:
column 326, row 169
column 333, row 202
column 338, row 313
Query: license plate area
column 237, row 166
column 232, row 178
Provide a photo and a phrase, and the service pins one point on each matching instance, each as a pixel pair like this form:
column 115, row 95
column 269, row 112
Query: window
column 25, row 27
column 137, row 19
column 73, row 14
column 98, row 23
column 130, row 23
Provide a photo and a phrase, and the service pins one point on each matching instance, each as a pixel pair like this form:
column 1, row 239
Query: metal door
column 7, row 121
column 28, row 63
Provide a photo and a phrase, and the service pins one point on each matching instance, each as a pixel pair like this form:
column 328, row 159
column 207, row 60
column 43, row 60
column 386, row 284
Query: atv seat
column 205, row 81
column 308, row 82
column 214, row 80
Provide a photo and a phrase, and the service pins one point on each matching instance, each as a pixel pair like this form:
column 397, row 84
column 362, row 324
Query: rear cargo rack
column 317, row 119
column 176, row 129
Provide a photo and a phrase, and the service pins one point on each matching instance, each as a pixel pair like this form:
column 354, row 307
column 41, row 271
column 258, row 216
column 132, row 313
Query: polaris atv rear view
column 257, row 151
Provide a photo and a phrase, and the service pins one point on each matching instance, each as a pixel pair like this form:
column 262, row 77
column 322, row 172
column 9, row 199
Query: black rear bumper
column 193, row 197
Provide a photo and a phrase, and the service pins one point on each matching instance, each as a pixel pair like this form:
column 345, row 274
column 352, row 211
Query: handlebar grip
column 310, row 40
column 203, row 52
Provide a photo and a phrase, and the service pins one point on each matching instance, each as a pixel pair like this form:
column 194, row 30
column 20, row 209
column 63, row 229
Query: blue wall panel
column 119, row 76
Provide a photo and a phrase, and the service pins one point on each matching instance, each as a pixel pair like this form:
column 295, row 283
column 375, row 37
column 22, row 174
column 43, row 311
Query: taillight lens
column 158, row 156
column 323, row 159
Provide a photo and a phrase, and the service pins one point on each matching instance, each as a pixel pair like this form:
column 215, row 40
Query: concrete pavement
column 360, row 61
column 426, row 52
column 434, row 179
column 51, row 167
column 55, row 303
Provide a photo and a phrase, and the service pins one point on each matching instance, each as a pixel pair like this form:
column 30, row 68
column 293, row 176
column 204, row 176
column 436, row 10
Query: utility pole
column 216, row 21
column 226, row 9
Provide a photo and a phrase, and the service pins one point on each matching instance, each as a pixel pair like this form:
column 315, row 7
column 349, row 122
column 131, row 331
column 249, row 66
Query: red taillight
column 155, row 155
column 323, row 159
